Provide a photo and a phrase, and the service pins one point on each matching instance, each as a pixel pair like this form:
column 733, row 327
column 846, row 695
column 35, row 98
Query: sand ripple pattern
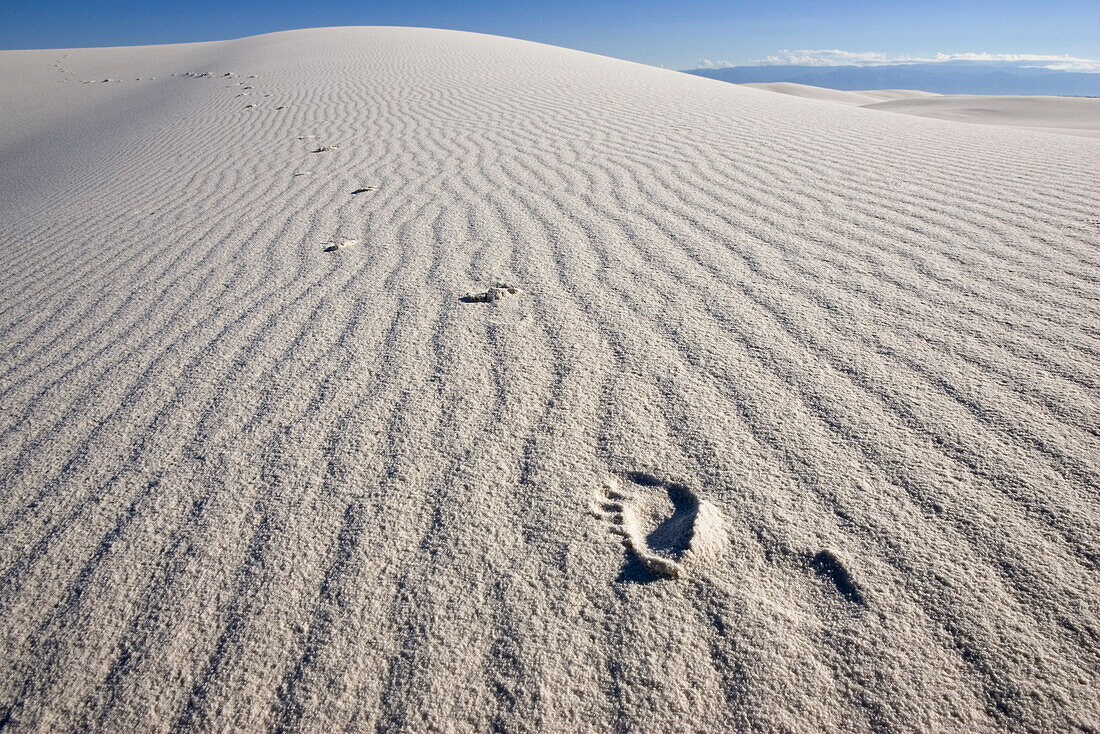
column 843, row 367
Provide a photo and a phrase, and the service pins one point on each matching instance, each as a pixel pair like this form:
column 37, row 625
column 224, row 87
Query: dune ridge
column 248, row 483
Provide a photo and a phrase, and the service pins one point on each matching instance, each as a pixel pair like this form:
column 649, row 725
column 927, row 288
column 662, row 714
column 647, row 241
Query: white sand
column 1062, row 115
column 833, row 374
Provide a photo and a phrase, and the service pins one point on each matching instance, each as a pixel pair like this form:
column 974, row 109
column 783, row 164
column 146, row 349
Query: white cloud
column 837, row 57
column 823, row 57
column 708, row 64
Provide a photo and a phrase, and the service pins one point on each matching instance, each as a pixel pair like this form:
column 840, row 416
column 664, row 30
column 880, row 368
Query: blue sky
column 676, row 34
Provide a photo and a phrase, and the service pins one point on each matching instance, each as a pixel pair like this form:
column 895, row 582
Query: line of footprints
column 247, row 88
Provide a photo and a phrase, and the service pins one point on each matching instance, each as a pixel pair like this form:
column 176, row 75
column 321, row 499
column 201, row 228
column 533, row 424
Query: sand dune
column 860, row 99
column 1062, row 115
column 790, row 423
column 1065, row 115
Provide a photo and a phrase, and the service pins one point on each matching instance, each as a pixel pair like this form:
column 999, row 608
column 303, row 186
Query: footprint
column 341, row 245
column 497, row 292
column 666, row 526
column 828, row 566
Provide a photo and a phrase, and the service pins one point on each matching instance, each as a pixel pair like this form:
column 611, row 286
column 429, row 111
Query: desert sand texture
column 1062, row 115
column 388, row 379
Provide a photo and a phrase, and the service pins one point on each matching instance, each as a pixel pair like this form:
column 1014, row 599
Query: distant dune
column 858, row 98
column 389, row 379
column 943, row 77
column 1064, row 115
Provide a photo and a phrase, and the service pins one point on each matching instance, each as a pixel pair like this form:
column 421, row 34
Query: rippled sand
column 790, row 422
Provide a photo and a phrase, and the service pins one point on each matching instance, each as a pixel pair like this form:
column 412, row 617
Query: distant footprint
column 340, row 245
column 828, row 565
column 667, row 527
column 497, row 292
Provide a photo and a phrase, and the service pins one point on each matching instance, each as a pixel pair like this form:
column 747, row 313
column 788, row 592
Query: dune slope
column 791, row 422
column 1059, row 115
column 1063, row 115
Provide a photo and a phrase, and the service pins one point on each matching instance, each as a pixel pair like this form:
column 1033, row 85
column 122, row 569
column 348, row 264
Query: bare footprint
column 341, row 245
column 497, row 292
column 666, row 526
column 829, row 566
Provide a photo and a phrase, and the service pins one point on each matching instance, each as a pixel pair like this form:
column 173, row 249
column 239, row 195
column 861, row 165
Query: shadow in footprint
column 635, row 572
column 826, row 565
column 673, row 535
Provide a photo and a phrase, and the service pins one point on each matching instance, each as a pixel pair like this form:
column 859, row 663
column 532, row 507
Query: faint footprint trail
column 666, row 526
